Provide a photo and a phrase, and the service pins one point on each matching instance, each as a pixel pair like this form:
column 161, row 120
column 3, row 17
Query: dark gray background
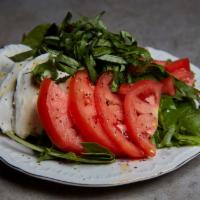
column 170, row 25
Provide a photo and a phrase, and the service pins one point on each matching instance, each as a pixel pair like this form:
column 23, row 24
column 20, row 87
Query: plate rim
column 54, row 180
column 26, row 171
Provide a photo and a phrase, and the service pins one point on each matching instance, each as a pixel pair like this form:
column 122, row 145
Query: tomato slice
column 125, row 88
column 168, row 86
column 110, row 112
column 53, row 112
column 178, row 64
column 184, row 75
column 141, row 106
column 179, row 69
column 83, row 111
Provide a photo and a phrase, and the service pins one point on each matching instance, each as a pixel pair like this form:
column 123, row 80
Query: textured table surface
column 172, row 25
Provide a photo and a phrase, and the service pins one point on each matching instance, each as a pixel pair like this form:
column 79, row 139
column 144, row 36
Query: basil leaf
column 45, row 70
column 66, row 69
column 103, row 43
column 100, row 51
column 35, row 37
column 52, row 41
column 127, row 37
column 112, row 59
column 90, row 64
column 22, row 56
column 66, row 21
column 94, row 150
column 68, row 61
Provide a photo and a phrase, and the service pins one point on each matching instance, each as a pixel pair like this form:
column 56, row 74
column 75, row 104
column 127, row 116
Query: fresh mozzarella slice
column 6, row 65
column 8, row 83
column 26, row 95
column 13, row 49
column 7, row 89
column 6, row 110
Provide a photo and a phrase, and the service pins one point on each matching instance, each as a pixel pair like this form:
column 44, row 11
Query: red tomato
column 168, row 86
column 179, row 69
column 141, row 113
column 178, row 64
column 83, row 111
column 53, row 112
column 110, row 112
column 125, row 88
column 184, row 75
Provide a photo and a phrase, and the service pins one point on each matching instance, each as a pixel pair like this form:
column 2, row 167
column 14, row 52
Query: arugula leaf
column 35, row 37
column 190, row 123
column 187, row 140
column 22, row 56
column 186, row 91
column 94, row 153
column 177, row 117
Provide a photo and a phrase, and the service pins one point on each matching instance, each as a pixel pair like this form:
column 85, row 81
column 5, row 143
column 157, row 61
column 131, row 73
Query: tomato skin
column 179, row 69
column 52, row 107
column 125, row 88
column 141, row 113
column 178, row 64
column 84, row 114
column 168, row 86
column 110, row 112
column 184, row 75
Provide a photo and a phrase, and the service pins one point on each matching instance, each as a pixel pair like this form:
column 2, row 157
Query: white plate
column 119, row 173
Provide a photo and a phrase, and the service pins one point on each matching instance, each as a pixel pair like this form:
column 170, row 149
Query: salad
column 81, row 93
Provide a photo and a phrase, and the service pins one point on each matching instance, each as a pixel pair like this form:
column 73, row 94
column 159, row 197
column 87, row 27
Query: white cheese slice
column 10, row 71
column 6, row 110
column 6, row 65
column 26, row 95
column 13, row 49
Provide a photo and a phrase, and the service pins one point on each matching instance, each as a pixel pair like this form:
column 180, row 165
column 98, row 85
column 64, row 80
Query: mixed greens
column 86, row 43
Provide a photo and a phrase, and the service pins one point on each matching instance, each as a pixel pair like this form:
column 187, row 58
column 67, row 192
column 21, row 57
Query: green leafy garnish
column 93, row 154
column 22, row 56
column 178, row 120
column 86, row 43
column 35, row 38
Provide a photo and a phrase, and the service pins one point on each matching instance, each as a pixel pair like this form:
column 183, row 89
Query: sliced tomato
column 184, row 75
column 83, row 111
column 125, row 88
column 178, row 64
column 110, row 112
column 141, row 113
column 179, row 69
column 54, row 115
column 168, row 86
